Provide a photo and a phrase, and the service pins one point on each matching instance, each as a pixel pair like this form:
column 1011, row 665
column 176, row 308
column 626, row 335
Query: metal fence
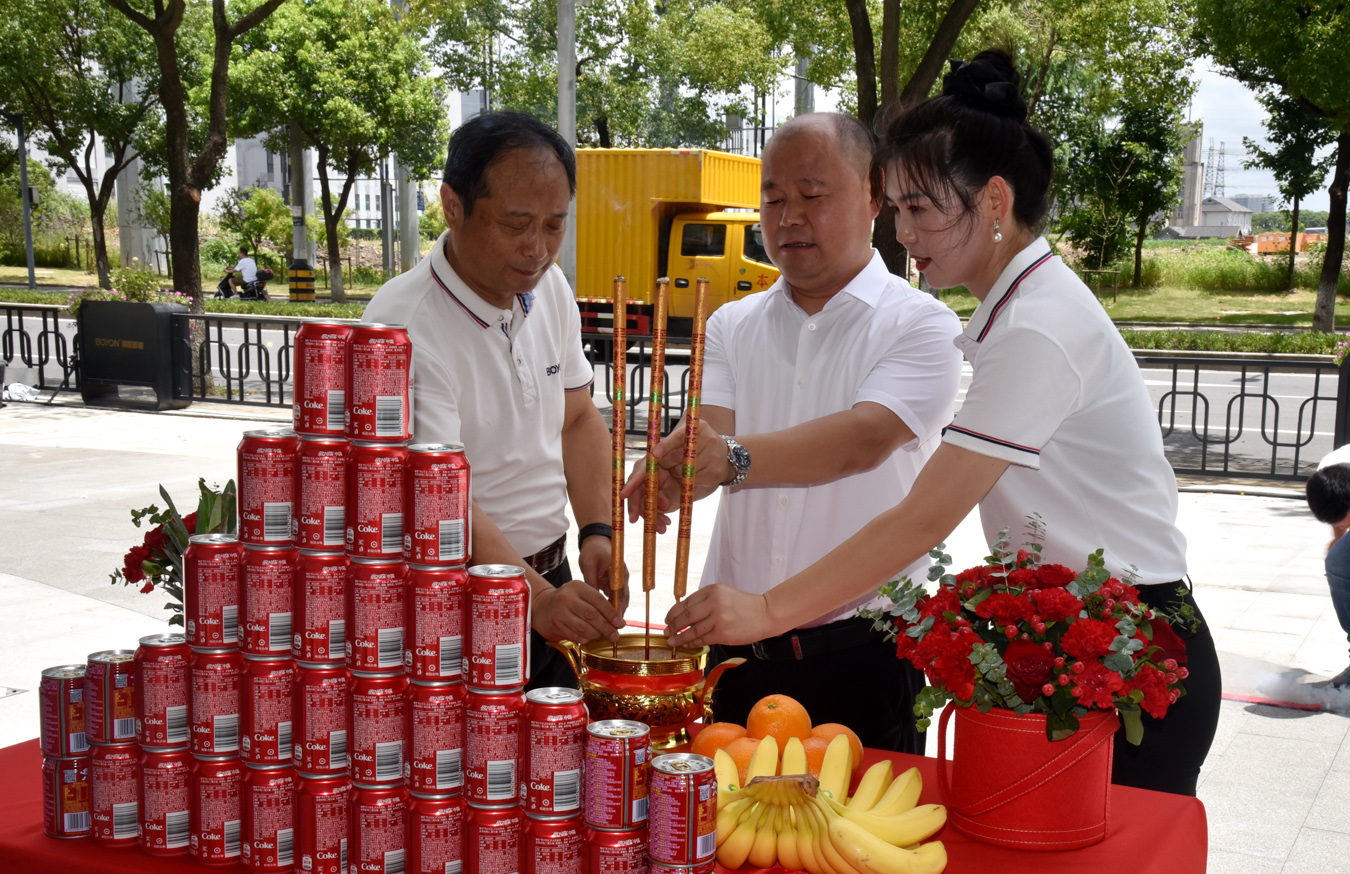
column 1222, row 416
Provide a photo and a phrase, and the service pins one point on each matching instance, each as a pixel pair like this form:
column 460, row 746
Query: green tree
column 191, row 153
column 357, row 85
column 1295, row 135
column 67, row 66
column 1153, row 132
column 257, row 217
column 1299, row 48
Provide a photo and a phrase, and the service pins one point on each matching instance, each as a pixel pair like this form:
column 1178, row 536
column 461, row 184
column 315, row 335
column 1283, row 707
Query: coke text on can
column 163, row 687
column 211, row 582
column 320, row 378
column 267, row 808
column 379, row 388
column 217, row 688
column 497, row 652
column 374, row 515
column 375, row 615
column 436, row 504
column 319, row 605
column 321, row 494
column 492, row 729
column 268, row 574
column 553, row 751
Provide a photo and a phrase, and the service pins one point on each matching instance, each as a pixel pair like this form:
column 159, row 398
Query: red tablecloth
column 1150, row 832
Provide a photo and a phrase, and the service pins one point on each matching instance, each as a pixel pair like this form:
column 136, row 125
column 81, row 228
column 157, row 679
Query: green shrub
column 136, row 283
column 1299, row 343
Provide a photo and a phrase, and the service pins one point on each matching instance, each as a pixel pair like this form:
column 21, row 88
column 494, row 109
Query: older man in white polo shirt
column 837, row 382
column 498, row 366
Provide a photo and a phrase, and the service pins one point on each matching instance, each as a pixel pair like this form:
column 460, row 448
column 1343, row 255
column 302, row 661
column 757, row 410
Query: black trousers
column 1169, row 758
column 548, row 667
column 864, row 687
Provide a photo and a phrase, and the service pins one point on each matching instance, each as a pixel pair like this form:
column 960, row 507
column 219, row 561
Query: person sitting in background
column 1328, row 492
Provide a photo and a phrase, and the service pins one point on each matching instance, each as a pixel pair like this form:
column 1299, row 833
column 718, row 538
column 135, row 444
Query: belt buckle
column 758, row 649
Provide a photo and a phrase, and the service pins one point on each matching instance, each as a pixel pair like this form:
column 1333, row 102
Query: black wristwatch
column 739, row 457
column 593, row 529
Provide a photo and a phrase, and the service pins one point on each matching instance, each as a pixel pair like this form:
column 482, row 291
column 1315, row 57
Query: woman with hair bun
column 1056, row 422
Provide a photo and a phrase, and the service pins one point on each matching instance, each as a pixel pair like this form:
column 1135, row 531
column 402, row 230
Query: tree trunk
column 100, row 245
column 1293, row 244
column 1139, row 252
column 337, row 292
column 864, row 60
column 1324, row 316
column 890, row 55
column 930, row 65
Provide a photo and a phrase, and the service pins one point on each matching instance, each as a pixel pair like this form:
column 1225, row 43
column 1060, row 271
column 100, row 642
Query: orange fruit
column 714, row 737
column 780, row 717
column 740, row 750
column 828, row 730
column 815, row 754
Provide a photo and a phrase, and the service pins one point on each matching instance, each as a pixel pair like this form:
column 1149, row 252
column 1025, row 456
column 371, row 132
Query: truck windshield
column 703, row 241
column 754, row 244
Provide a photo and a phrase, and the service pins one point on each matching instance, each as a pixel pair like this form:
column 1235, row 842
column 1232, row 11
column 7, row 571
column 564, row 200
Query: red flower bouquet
column 157, row 561
column 1036, row 638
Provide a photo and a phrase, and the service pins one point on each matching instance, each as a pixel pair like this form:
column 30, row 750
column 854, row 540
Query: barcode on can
column 337, row 401
column 277, row 520
column 334, row 525
column 337, row 636
column 285, row 846
column 388, row 760
column 566, row 790
column 75, row 822
column 391, row 532
column 451, row 651
column 278, row 632
column 342, row 856
column 455, row 867
column 79, row 743
column 706, row 845
column 390, row 645
column 449, row 769
column 508, row 665
column 393, row 861
column 229, row 622
column 337, row 749
column 389, row 416
column 176, row 829
column 126, row 820
column 231, row 837
column 124, row 727
column 639, row 810
column 225, row 731
column 501, row 779
column 451, row 540
column 175, row 724
column 283, row 737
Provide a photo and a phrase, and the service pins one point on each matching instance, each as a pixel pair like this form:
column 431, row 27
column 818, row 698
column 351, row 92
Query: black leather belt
column 549, row 557
column 804, row 643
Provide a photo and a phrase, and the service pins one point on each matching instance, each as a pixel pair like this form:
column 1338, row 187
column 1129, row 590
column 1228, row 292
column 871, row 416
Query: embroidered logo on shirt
column 552, row 369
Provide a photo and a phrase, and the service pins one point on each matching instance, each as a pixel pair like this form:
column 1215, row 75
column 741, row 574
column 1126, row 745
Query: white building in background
column 1257, row 202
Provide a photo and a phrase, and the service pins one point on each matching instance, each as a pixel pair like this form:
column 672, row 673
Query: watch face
column 740, row 457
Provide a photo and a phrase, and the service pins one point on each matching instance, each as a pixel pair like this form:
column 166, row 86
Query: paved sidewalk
column 1276, row 786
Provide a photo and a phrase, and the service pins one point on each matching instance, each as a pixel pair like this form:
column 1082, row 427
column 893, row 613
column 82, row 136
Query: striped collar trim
column 1039, row 252
column 462, row 305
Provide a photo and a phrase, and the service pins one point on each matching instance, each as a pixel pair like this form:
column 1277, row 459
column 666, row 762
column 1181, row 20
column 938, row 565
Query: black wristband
column 593, row 529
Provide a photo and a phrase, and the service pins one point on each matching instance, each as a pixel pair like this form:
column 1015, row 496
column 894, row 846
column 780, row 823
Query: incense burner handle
column 703, row 691
column 572, row 653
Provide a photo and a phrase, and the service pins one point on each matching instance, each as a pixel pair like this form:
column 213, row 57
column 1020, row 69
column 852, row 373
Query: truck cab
column 726, row 248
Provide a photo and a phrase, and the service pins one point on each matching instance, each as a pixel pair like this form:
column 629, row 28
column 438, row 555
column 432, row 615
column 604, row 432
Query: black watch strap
column 593, row 529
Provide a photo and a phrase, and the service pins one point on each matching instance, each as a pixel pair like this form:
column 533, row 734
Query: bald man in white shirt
column 837, row 382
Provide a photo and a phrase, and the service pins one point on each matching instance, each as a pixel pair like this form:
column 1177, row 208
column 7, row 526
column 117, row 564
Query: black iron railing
column 41, row 338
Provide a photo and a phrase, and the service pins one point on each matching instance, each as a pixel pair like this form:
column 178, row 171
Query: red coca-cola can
column 434, row 627
column 217, row 689
column 211, row 583
column 379, row 388
column 435, row 833
column 319, row 604
column 61, row 700
column 65, row 797
column 162, row 691
column 375, row 613
column 267, row 809
column 433, row 717
column 322, row 808
column 436, row 501
column 662, row 868
column 110, row 697
column 320, row 378
column 268, row 705
column 166, row 801
column 682, row 826
column 321, row 712
column 268, row 581
column 377, row 728
column 378, row 826
column 113, row 792
column 492, row 839
column 375, row 500
column 267, row 485
column 497, row 653
column 618, row 754
column 321, row 494
column 492, row 729
column 622, row 851
column 214, row 815
column 553, row 752
column 553, row 846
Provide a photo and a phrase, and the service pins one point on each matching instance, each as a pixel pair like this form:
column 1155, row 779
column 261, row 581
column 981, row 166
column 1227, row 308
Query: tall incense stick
column 655, row 412
column 618, row 428
column 692, row 405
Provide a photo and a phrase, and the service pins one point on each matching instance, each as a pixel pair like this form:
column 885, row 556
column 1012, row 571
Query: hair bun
column 988, row 82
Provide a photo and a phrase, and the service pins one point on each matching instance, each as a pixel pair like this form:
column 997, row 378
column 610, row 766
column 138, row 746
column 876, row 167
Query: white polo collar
column 1023, row 264
column 484, row 314
column 867, row 286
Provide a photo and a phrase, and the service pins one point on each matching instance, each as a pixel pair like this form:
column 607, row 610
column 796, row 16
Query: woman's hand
column 719, row 614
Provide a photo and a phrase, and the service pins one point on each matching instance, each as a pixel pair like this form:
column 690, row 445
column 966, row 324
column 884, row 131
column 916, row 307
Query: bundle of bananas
column 809, row 824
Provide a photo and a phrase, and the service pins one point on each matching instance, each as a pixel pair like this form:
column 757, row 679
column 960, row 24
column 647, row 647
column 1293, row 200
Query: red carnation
column 1153, row 683
column 1055, row 605
column 156, row 540
column 1029, row 665
column 1173, row 647
column 1054, row 576
column 971, row 580
column 148, row 587
column 1097, row 685
column 1005, row 609
column 1023, row 577
column 131, row 564
column 190, row 523
column 1119, row 592
column 1089, row 638
column 945, row 601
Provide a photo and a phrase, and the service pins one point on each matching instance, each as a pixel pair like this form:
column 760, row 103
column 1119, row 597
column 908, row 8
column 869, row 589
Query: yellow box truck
column 681, row 213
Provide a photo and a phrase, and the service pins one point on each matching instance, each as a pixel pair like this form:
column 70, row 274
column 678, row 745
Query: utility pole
column 301, row 274
column 804, row 97
column 409, row 251
column 26, row 196
column 386, row 219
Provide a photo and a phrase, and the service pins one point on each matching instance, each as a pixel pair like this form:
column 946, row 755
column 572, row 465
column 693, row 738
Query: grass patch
column 1302, row 343
column 48, row 276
